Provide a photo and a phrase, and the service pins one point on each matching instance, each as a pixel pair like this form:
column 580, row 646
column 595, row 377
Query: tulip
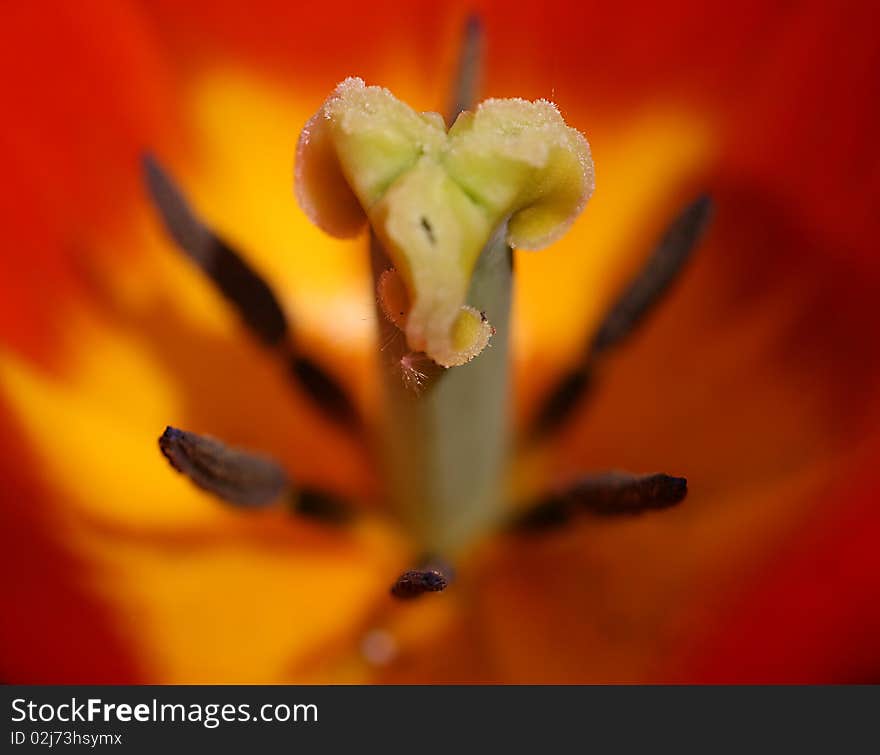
column 310, row 526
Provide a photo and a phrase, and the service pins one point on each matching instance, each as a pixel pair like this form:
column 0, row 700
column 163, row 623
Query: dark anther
column 618, row 493
column 236, row 476
column 251, row 296
column 325, row 391
column 237, row 281
column 560, row 402
column 470, row 63
column 550, row 513
column 609, row 494
column 322, row 507
column 412, row 584
column 656, row 277
column 628, row 311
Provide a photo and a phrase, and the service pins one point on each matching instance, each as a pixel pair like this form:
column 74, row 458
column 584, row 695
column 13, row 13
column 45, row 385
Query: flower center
column 445, row 210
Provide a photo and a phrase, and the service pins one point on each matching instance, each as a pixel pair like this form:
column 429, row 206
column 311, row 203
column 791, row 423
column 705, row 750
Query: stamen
column 609, row 494
column 553, row 512
column 628, row 312
column 412, row 584
column 656, row 278
column 469, row 69
column 245, row 289
column 251, row 296
column 325, row 391
column 615, row 493
column 244, row 478
column 324, row 507
column 432, row 575
column 234, row 475
column 561, row 401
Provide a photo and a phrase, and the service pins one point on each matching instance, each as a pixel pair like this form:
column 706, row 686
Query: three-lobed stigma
column 434, row 197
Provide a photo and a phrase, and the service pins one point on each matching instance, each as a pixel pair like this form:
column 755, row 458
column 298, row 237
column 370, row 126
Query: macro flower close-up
column 440, row 343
